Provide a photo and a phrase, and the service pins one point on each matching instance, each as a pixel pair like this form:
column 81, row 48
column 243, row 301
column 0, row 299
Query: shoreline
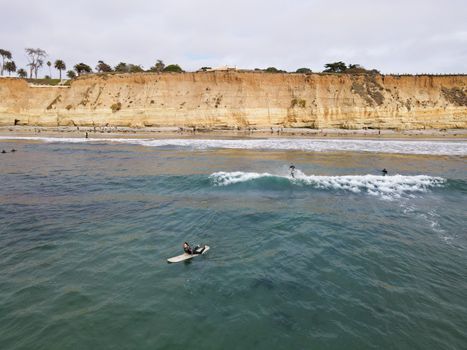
column 248, row 133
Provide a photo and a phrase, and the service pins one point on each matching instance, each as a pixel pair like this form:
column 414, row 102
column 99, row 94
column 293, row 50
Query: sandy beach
column 179, row 132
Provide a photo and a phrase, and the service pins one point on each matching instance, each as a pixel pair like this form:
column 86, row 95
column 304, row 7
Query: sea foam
column 393, row 186
column 458, row 148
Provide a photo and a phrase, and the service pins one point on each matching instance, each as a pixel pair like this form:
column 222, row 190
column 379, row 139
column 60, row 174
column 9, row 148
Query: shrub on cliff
column 116, row 107
column 22, row 73
column 274, row 70
column 122, row 67
column 173, row 68
column 358, row 69
column 70, row 74
column 135, row 68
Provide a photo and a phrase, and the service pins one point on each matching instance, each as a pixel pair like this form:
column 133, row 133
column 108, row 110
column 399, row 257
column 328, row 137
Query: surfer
column 385, row 172
column 187, row 249
column 292, row 171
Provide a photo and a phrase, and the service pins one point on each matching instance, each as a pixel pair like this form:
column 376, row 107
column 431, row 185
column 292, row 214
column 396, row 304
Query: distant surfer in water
column 292, row 171
column 385, row 172
column 187, row 249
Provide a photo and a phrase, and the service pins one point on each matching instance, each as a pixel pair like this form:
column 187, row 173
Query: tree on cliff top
column 103, row 67
column 135, row 68
column 81, row 68
column 336, row 67
column 5, row 55
column 123, row 67
column 10, row 66
column 173, row 68
column 60, row 65
column 158, row 66
column 36, row 60
column 22, row 73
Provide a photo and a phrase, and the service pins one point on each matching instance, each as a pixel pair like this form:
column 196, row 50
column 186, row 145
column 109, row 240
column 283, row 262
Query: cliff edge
column 240, row 99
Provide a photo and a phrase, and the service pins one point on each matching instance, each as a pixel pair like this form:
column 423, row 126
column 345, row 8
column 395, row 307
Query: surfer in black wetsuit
column 292, row 171
column 187, row 249
column 385, row 172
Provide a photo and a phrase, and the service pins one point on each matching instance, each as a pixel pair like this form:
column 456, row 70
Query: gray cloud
column 393, row 36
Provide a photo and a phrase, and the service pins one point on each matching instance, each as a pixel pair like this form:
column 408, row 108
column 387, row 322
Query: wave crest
column 308, row 145
column 384, row 186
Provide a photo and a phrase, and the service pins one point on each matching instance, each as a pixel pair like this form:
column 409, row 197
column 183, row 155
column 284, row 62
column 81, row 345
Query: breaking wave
column 384, row 186
column 312, row 145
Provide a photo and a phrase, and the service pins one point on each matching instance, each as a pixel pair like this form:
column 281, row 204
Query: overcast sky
column 400, row 36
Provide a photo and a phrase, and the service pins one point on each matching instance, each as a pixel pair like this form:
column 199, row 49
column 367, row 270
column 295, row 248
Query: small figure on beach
column 187, row 249
column 87, row 135
column 292, row 170
column 13, row 150
column 384, row 171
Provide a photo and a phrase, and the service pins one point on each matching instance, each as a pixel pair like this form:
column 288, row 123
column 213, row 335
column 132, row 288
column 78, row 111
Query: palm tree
column 60, row 65
column 49, row 64
column 5, row 54
column 10, row 66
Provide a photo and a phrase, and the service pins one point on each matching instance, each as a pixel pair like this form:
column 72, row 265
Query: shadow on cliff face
column 456, row 96
column 369, row 90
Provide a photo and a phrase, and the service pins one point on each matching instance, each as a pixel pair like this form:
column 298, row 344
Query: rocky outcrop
column 235, row 99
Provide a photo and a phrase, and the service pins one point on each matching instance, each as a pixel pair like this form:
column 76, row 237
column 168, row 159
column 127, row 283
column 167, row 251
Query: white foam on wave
column 392, row 186
column 312, row 145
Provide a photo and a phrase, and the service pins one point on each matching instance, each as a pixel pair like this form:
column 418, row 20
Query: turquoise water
column 337, row 258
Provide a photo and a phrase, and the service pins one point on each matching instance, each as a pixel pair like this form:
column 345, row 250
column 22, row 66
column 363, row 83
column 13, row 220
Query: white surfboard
column 186, row 256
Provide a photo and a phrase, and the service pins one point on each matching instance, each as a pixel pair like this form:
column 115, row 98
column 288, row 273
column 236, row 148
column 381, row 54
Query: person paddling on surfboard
column 187, row 249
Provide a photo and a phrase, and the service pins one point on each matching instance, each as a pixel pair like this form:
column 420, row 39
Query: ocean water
column 338, row 257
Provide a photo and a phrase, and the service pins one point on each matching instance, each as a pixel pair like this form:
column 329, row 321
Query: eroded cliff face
column 234, row 99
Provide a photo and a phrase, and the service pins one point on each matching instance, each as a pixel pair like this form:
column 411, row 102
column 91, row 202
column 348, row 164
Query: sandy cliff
column 234, row 99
